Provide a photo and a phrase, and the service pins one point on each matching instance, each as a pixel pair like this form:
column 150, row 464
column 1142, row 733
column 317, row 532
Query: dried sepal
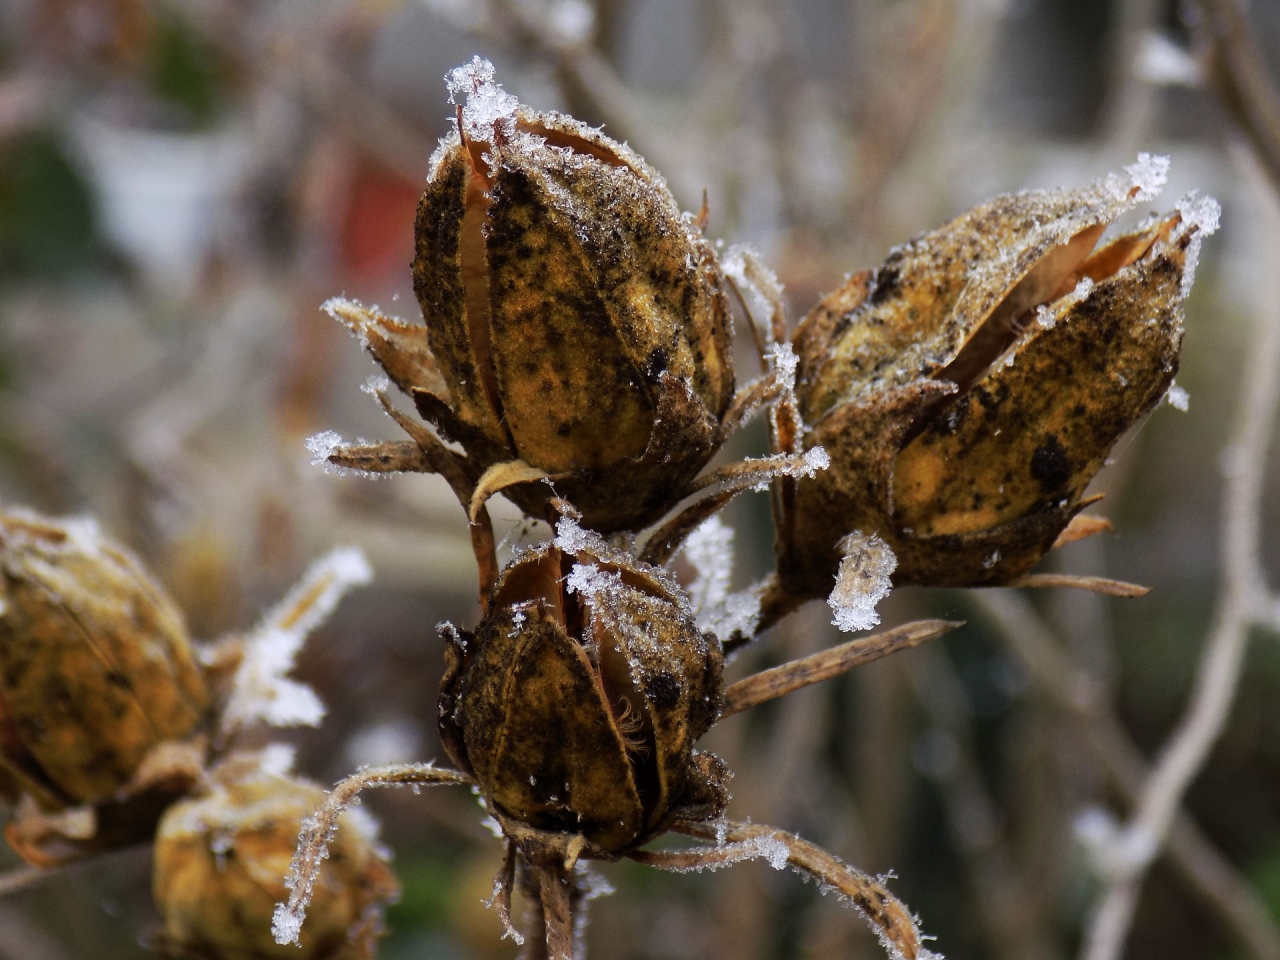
column 779, row 681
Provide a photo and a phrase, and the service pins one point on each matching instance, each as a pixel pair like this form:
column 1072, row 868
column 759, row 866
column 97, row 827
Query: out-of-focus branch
column 1242, row 78
column 1208, row 874
column 1241, row 585
column 1014, row 920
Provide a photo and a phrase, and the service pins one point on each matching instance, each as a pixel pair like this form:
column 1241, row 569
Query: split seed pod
column 969, row 390
column 575, row 319
column 96, row 668
column 576, row 703
column 221, row 860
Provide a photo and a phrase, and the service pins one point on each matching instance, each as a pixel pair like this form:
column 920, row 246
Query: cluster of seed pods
column 936, row 421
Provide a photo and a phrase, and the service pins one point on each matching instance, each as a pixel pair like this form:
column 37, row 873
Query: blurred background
column 183, row 183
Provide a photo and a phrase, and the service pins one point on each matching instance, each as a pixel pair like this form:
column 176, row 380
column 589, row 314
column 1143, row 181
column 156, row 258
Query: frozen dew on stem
column 1178, row 398
column 709, row 550
column 862, row 581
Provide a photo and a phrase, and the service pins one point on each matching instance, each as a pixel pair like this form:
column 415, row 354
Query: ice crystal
column 709, row 550
column 1200, row 214
column 1178, row 398
column 487, row 108
column 862, row 581
column 261, row 691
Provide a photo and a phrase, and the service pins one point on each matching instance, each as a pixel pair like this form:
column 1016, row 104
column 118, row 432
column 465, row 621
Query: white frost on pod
column 862, row 582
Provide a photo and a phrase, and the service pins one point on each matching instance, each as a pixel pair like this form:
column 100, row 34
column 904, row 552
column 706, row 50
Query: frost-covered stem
column 886, row 914
column 1244, row 466
column 319, row 830
column 1209, row 876
column 781, row 680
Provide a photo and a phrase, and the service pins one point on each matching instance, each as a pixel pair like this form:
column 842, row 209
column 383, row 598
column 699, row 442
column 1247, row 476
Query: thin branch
column 1209, row 876
column 1219, row 672
column 779, row 681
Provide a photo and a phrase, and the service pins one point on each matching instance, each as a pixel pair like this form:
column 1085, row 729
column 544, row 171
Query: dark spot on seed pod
column 663, row 690
column 886, row 285
column 1050, row 465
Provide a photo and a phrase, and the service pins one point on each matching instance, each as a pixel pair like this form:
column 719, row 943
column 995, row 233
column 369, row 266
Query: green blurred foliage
column 48, row 226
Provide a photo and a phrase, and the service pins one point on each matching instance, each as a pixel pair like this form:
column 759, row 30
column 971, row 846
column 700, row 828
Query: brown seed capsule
column 577, row 701
column 96, row 669
column 575, row 320
column 221, row 860
column 969, row 390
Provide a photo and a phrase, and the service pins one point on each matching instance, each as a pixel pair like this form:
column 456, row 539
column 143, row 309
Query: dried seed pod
column 969, row 390
column 577, row 701
column 96, row 668
column 221, row 860
column 575, row 320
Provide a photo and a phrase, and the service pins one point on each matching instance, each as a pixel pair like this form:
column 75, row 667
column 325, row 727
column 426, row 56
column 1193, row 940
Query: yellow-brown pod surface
column 969, row 390
column 220, row 863
column 577, row 701
column 96, row 668
column 579, row 322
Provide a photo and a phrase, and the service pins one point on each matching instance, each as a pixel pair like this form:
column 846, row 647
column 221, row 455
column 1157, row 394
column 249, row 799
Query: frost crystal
column 488, row 108
column 376, row 384
column 784, row 362
column 322, row 446
column 757, row 284
column 1147, row 176
column 709, row 549
column 261, row 691
column 862, row 581
column 1178, row 398
column 1201, row 215
column 286, row 926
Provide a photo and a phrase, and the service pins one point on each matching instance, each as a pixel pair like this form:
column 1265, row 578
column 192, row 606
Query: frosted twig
column 886, row 915
column 260, row 690
column 779, row 681
column 1112, row 588
column 1209, row 876
column 1219, row 672
column 319, row 829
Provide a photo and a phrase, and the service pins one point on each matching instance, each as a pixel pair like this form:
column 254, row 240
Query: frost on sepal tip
column 260, row 689
column 862, row 581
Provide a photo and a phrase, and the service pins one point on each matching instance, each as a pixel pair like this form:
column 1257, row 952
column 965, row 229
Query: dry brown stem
column 781, row 680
